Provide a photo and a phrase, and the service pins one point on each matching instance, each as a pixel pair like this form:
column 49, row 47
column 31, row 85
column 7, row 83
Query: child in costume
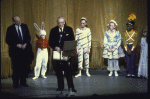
column 143, row 63
column 83, row 38
column 112, row 49
column 42, row 53
column 130, row 43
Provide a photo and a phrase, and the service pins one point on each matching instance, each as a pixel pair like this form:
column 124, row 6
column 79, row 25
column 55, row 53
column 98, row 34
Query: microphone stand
column 60, row 66
column 60, row 59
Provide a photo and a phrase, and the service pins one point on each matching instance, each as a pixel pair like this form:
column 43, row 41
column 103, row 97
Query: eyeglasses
column 60, row 22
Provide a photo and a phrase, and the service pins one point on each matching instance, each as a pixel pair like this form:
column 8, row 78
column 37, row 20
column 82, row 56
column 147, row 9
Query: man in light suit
column 18, row 39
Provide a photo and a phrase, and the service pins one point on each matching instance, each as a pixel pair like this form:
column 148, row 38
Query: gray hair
column 60, row 17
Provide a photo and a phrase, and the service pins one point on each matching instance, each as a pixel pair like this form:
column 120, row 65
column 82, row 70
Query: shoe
column 44, row 77
column 72, row 93
column 34, row 78
column 129, row 75
column 78, row 75
column 24, row 85
column 133, row 76
column 110, row 74
column 116, row 74
column 73, row 90
column 88, row 74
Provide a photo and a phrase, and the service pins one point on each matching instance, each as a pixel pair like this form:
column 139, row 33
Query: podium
column 69, row 50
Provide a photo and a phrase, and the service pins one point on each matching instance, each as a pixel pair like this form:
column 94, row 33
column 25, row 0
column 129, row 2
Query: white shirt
column 60, row 29
column 20, row 30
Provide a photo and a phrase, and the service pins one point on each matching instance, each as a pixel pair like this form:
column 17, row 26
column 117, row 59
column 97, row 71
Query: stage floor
column 98, row 84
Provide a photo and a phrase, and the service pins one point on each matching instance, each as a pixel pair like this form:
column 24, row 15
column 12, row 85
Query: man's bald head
column 16, row 20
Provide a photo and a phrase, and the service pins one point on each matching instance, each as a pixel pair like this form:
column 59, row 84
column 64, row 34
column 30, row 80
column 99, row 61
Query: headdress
column 113, row 21
column 130, row 19
column 83, row 18
column 41, row 31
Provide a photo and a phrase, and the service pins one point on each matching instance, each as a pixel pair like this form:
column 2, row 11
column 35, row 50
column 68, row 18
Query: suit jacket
column 12, row 38
column 54, row 38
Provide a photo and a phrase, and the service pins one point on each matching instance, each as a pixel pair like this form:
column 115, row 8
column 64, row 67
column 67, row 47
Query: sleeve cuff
column 106, row 47
column 126, row 48
column 133, row 48
column 117, row 47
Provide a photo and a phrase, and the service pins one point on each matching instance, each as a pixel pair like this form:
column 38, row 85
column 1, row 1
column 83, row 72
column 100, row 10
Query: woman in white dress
column 143, row 62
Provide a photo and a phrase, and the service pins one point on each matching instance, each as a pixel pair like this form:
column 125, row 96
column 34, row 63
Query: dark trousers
column 60, row 78
column 130, row 59
column 19, row 67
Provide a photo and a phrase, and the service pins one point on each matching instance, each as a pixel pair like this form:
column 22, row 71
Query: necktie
column 60, row 36
column 19, row 35
column 61, row 30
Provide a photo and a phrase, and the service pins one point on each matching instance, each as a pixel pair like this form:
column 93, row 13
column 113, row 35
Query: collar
column 111, row 32
column 16, row 25
column 82, row 28
column 42, row 39
column 130, row 31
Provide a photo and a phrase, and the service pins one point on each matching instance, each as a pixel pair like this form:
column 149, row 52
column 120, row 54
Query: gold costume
column 130, row 38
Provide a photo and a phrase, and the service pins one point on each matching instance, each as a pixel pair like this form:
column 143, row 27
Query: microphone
column 60, row 36
column 60, row 40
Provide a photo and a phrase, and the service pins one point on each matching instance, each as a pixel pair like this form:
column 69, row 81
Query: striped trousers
column 83, row 52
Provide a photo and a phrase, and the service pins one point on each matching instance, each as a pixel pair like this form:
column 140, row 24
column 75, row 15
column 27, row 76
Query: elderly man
column 18, row 39
column 58, row 35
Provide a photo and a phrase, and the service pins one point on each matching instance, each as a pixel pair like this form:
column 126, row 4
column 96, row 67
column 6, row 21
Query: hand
column 129, row 52
column 88, row 51
column 19, row 45
column 113, row 49
column 109, row 50
column 24, row 46
column 58, row 49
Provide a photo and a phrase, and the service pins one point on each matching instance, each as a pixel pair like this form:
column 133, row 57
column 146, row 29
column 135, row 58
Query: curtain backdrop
column 97, row 12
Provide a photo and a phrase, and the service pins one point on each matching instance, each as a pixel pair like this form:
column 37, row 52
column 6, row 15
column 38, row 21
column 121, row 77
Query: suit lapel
column 57, row 29
column 15, row 31
column 22, row 29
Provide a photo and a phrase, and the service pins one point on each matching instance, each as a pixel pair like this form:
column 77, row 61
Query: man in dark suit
column 18, row 39
column 58, row 35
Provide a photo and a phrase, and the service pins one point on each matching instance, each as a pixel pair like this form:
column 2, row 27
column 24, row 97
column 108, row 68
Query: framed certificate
column 56, row 56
